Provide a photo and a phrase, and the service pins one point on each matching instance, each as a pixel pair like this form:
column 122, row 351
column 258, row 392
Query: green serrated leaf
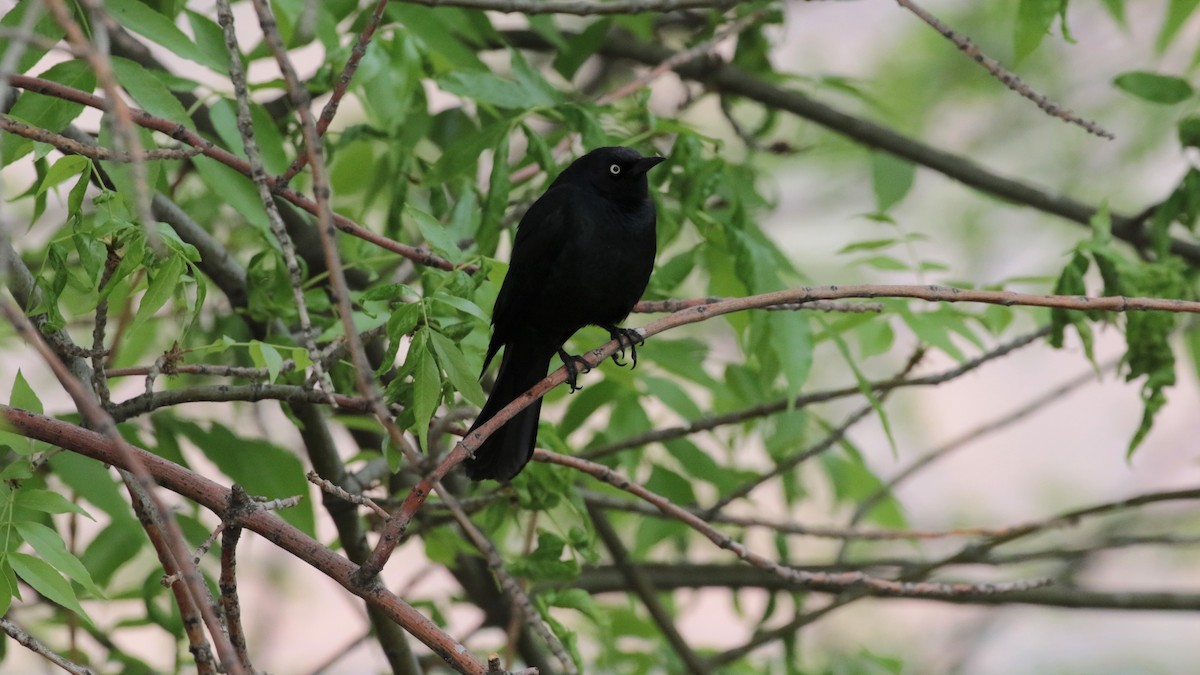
column 266, row 356
column 46, row 580
column 47, row 502
column 160, row 289
column 51, row 548
column 161, row 29
column 149, row 92
column 460, row 373
column 23, row 396
column 427, row 385
column 435, row 233
column 64, row 168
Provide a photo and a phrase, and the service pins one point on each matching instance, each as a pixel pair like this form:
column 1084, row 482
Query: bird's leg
column 625, row 337
column 573, row 364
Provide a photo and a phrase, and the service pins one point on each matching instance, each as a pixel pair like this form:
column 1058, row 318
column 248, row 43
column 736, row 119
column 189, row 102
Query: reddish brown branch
column 215, row 497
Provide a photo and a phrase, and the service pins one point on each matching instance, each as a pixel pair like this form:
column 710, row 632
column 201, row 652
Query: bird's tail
column 510, row 448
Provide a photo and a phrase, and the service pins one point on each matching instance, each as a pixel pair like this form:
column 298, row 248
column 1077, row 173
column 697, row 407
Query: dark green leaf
column 1155, row 88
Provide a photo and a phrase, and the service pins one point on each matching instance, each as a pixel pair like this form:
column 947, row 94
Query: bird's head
column 616, row 172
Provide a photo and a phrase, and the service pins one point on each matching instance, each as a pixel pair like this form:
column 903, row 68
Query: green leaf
column 1155, row 88
column 886, row 263
column 529, row 90
column 932, row 329
column 264, row 469
column 436, row 234
column 891, row 179
column 47, row 112
column 210, row 39
column 1178, row 12
column 462, row 156
column 47, row 502
column 791, row 338
column 64, row 168
column 869, row 245
column 1033, row 23
column 149, row 92
column 546, row 563
column 23, row 396
column 160, row 289
column 875, row 337
column 1116, row 9
column 266, row 356
column 45, row 26
column 50, row 546
column 46, row 580
column 460, row 373
column 671, row 485
column 427, row 385
column 145, row 21
column 235, row 190
column 461, row 304
column 1189, row 131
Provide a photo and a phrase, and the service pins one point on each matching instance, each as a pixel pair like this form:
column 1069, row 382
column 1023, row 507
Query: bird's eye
column 614, row 169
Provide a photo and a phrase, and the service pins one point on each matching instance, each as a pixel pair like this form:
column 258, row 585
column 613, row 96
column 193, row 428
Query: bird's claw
column 626, row 338
column 574, row 365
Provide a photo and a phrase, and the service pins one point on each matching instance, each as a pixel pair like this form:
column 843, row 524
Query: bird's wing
column 540, row 240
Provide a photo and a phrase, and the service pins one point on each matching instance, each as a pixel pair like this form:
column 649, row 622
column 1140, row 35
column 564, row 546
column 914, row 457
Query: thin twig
column 580, row 7
column 822, row 582
column 68, row 145
column 362, row 500
column 998, row 71
column 340, row 88
column 645, row 591
column 258, row 174
column 38, row 647
column 1038, row 404
column 805, row 400
column 786, row 464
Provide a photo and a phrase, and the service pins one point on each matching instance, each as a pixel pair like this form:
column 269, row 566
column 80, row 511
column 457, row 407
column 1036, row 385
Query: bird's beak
column 645, row 164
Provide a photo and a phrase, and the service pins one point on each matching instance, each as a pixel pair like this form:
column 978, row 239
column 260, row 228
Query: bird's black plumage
column 582, row 256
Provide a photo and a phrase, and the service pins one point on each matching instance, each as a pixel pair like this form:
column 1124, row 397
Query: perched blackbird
column 582, row 256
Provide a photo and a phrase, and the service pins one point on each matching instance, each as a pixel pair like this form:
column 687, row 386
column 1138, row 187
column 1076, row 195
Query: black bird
column 582, row 256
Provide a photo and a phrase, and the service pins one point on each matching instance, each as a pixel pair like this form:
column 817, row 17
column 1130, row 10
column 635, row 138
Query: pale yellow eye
column 614, row 169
